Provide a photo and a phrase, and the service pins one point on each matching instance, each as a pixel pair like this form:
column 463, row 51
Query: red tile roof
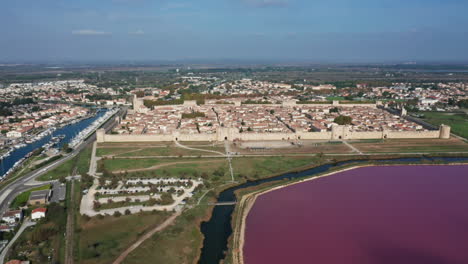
column 43, row 210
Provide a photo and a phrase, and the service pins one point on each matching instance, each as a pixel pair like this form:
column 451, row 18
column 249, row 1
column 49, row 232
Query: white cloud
column 89, row 32
column 137, row 32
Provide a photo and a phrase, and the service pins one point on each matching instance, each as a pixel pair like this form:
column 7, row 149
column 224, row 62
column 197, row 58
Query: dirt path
column 165, row 165
column 70, row 227
column 177, row 143
column 135, row 245
column 121, row 153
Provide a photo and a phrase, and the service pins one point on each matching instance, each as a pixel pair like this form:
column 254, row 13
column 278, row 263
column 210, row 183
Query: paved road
column 26, row 223
column 8, row 193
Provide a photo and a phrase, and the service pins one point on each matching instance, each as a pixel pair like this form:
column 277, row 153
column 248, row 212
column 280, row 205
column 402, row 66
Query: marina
column 72, row 133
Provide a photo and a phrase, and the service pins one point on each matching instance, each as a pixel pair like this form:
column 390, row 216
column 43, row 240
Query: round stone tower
column 444, row 131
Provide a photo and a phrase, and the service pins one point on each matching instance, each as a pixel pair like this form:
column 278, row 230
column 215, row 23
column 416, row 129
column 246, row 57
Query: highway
column 9, row 192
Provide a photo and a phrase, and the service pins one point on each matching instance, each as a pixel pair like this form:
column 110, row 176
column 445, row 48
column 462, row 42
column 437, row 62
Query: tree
column 117, row 214
column 334, row 110
column 343, row 120
column 127, row 212
column 66, row 148
column 62, row 179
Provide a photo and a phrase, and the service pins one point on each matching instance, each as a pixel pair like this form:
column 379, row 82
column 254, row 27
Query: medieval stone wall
column 337, row 133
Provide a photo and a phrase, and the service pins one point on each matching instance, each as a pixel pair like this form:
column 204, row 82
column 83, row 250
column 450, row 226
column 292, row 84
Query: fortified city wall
column 338, row 132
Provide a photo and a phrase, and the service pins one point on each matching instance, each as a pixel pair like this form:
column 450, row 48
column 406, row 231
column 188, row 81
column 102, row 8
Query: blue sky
column 295, row 30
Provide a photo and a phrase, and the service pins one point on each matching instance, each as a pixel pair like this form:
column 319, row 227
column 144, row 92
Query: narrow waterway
column 69, row 131
column 218, row 228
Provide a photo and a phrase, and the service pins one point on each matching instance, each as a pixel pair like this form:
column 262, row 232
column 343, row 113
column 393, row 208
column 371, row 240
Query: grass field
column 106, row 151
column 23, row 197
column 193, row 169
column 81, row 162
column 457, row 121
column 260, row 167
column 412, row 145
column 308, row 147
column 179, row 243
column 127, row 164
column 102, row 240
column 168, row 150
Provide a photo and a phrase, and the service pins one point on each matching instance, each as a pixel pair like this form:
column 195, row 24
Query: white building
column 11, row 217
column 38, row 213
column 13, row 134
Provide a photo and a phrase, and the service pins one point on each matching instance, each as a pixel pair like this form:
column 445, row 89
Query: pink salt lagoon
column 370, row 215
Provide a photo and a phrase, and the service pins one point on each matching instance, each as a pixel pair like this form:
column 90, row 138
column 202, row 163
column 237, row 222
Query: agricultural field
column 457, row 121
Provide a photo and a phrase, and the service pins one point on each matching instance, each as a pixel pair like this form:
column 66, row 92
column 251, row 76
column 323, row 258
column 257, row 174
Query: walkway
column 165, row 165
column 135, row 245
column 26, row 224
column 197, row 149
column 352, row 147
column 227, row 154
column 93, row 161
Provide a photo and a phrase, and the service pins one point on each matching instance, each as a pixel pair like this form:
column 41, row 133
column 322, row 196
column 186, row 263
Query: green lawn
column 260, row 167
column 103, row 151
column 458, row 121
column 83, row 159
column 185, row 170
column 156, row 151
column 124, row 164
column 81, row 162
column 23, row 197
column 64, row 169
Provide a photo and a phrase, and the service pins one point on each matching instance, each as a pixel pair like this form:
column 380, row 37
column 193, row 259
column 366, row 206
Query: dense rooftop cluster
column 259, row 118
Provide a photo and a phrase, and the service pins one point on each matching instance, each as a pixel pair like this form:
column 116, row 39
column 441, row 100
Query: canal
column 69, row 131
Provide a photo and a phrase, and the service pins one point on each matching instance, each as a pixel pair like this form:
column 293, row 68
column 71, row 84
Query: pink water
column 372, row 215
